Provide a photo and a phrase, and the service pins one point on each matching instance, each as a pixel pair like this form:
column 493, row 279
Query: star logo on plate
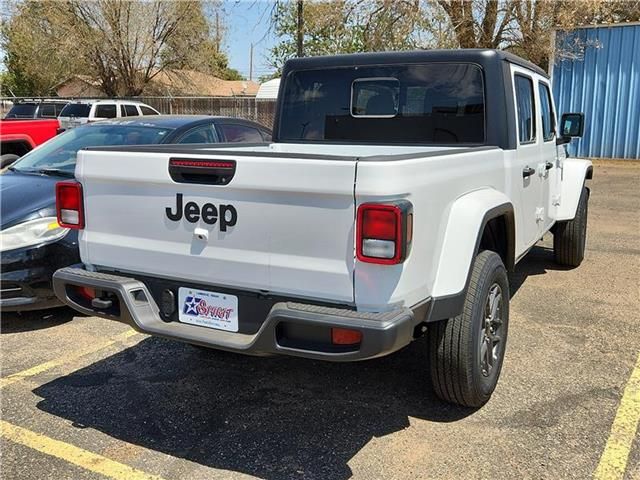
column 190, row 304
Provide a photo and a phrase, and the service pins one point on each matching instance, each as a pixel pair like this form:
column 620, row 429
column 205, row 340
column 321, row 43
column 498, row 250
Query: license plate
column 208, row 309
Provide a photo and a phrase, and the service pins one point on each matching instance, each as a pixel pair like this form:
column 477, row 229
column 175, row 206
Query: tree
column 478, row 23
column 35, row 64
column 124, row 44
column 524, row 27
column 344, row 26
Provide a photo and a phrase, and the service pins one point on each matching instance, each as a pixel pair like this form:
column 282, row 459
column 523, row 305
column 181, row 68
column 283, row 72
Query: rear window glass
column 76, row 110
column 377, row 97
column 240, row 133
column 22, row 111
column 425, row 103
column 60, row 152
column 147, row 110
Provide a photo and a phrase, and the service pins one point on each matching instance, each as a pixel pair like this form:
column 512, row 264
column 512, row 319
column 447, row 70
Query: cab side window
column 526, row 109
column 546, row 111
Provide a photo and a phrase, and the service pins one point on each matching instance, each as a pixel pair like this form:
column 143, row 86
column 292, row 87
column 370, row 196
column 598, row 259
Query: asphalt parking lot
column 86, row 398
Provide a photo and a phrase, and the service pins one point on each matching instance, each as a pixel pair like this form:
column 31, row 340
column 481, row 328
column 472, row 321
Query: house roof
column 189, row 82
column 184, row 82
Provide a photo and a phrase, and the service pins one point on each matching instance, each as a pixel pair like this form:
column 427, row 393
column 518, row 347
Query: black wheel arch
column 497, row 233
column 15, row 147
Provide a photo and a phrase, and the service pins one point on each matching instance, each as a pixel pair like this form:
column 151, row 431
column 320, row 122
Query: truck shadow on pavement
column 12, row 322
column 271, row 417
column 538, row 261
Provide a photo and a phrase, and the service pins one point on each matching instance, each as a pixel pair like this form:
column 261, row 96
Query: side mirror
column 571, row 126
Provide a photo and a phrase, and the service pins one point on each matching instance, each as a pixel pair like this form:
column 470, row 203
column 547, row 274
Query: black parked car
column 32, row 244
column 36, row 109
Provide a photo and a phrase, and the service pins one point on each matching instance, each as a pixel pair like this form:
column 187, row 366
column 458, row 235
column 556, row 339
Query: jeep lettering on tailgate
column 209, row 213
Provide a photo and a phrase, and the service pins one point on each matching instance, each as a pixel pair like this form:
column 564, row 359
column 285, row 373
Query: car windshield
column 23, row 110
column 58, row 155
column 76, row 110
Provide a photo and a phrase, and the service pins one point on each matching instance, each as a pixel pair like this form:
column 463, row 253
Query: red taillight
column 69, row 205
column 380, row 222
column 383, row 232
column 345, row 336
column 87, row 292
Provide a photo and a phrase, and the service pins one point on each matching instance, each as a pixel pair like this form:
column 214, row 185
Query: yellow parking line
column 613, row 462
column 43, row 367
column 72, row 454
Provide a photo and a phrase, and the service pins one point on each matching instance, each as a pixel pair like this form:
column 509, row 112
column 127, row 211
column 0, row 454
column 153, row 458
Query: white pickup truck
column 398, row 191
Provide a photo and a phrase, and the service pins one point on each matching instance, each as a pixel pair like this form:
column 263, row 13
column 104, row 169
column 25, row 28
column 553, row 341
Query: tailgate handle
column 202, row 171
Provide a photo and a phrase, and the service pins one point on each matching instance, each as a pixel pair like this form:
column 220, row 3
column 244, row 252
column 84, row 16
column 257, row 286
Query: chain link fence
column 261, row 111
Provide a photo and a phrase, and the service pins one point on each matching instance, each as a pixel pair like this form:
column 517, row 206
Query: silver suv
column 84, row 111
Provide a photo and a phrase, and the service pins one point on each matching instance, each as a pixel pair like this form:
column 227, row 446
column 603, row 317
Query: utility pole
column 300, row 30
column 217, row 32
column 251, row 63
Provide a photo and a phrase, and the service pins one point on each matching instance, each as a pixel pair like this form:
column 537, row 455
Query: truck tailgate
column 294, row 231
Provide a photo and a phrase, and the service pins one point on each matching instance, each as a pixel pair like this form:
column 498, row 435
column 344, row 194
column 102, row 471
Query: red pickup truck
column 18, row 137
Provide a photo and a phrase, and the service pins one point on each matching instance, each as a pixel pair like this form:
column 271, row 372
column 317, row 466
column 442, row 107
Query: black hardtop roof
column 480, row 56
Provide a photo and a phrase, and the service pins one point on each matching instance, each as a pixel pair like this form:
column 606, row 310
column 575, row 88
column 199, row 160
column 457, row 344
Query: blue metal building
column 597, row 71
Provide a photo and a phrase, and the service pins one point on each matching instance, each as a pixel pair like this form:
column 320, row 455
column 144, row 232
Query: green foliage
column 345, row 26
column 122, row 44
column 231, row 74
column 34, row 62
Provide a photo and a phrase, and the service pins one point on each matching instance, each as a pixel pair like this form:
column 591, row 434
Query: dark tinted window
column 526, row 109
column 59, row 107
column 23, row 110
column 106, row 111
column 433, row 103
column 240, row 133
column 76, row 110
column 131, row 110
column 147, row 110
column 201, row 134
column 375, row 97
column 548, row 119
column 47, row 110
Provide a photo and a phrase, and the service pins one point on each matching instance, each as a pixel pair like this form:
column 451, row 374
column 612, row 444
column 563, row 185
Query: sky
column 247, row 22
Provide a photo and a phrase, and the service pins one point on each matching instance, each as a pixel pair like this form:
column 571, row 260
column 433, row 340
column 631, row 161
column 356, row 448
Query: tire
column 461, row 371
column 7, row 159
column 570, row 238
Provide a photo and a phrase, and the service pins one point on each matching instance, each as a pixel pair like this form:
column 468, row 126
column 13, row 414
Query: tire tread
column 451, row 342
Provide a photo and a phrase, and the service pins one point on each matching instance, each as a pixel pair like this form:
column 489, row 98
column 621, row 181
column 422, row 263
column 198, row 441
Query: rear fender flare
column 467, row 219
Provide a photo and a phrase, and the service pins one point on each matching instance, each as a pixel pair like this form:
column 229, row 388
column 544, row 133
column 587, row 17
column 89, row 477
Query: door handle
column 548, row 166
column 527, row 172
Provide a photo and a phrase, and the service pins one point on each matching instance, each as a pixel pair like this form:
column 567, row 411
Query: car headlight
column 33, row 232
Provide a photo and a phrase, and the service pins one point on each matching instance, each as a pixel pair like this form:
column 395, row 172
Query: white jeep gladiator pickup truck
column 398, row 191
